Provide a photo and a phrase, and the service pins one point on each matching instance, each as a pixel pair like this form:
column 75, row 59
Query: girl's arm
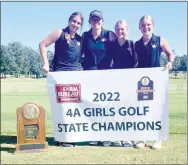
column 51, row 38
column 168, row 51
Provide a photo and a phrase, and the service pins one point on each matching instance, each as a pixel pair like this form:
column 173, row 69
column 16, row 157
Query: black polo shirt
column 67, row 53
column 123, row 56
column 96, row 51
column 148, row 55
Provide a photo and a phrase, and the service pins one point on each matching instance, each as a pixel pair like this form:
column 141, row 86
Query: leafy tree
column 7, row 62
column 50, row 59
column 163, row 60
column 25, row 67
column 183, row 61
column 176, row 65
column 36, row 64
column 15, row 50
column 4, row 61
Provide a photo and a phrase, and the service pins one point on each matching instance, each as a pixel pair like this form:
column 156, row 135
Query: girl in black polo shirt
column 67, row 49
column 95, row 48
column 124, row 57
column 96, row 43
column 67, row 46
column 123, row 51
column 149, row 49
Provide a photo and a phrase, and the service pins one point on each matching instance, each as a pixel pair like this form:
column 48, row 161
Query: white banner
column 109, row 105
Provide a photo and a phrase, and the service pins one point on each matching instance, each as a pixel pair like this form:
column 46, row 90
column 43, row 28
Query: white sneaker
column 117, row 144
column 107, row 143
column 157, row 144
column 140, row 144
column 127, row 144
column 94, row 143
column 67, row 144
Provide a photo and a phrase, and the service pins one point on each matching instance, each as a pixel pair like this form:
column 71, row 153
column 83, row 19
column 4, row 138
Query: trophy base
column 34, row 147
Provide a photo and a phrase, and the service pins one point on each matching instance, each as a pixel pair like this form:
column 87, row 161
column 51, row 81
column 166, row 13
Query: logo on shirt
column 153, row 45
column 68, row 93
column 78, row 43
column 145, row 89
column 103, row 39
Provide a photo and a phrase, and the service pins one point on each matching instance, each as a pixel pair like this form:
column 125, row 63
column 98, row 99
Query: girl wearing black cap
column 96, row 43
column 95, row 48
column 67, row 49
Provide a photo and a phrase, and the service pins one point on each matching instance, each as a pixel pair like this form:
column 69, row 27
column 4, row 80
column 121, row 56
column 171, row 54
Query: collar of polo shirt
column 100, row 36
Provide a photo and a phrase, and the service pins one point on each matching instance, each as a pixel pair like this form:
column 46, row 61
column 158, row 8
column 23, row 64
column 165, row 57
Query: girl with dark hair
column 67, row 50
column 67, row 46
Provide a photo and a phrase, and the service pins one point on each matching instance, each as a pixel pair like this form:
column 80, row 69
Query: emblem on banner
column 68, row 93
column 145, row 89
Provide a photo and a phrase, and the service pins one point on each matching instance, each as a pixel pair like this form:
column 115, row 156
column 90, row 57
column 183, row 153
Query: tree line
column 17, row 59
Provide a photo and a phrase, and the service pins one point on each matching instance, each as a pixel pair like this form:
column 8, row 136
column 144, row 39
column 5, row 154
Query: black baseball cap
column 95, row 14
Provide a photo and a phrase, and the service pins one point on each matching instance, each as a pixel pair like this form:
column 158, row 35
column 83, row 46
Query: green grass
column 16, row 92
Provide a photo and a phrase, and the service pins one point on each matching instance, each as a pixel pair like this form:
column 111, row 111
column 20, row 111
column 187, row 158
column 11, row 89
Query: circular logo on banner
column 30, row 111
column 145, row 81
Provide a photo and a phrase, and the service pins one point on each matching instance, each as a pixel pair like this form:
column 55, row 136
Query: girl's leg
column 157, row 144
column 140, row 144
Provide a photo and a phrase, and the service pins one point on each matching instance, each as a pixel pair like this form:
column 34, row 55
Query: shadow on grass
column 8, row 149
column 178, row 133
column 8, row 139
column 178, row 78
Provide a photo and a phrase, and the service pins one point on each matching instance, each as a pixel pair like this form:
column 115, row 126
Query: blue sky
column 30, row 22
